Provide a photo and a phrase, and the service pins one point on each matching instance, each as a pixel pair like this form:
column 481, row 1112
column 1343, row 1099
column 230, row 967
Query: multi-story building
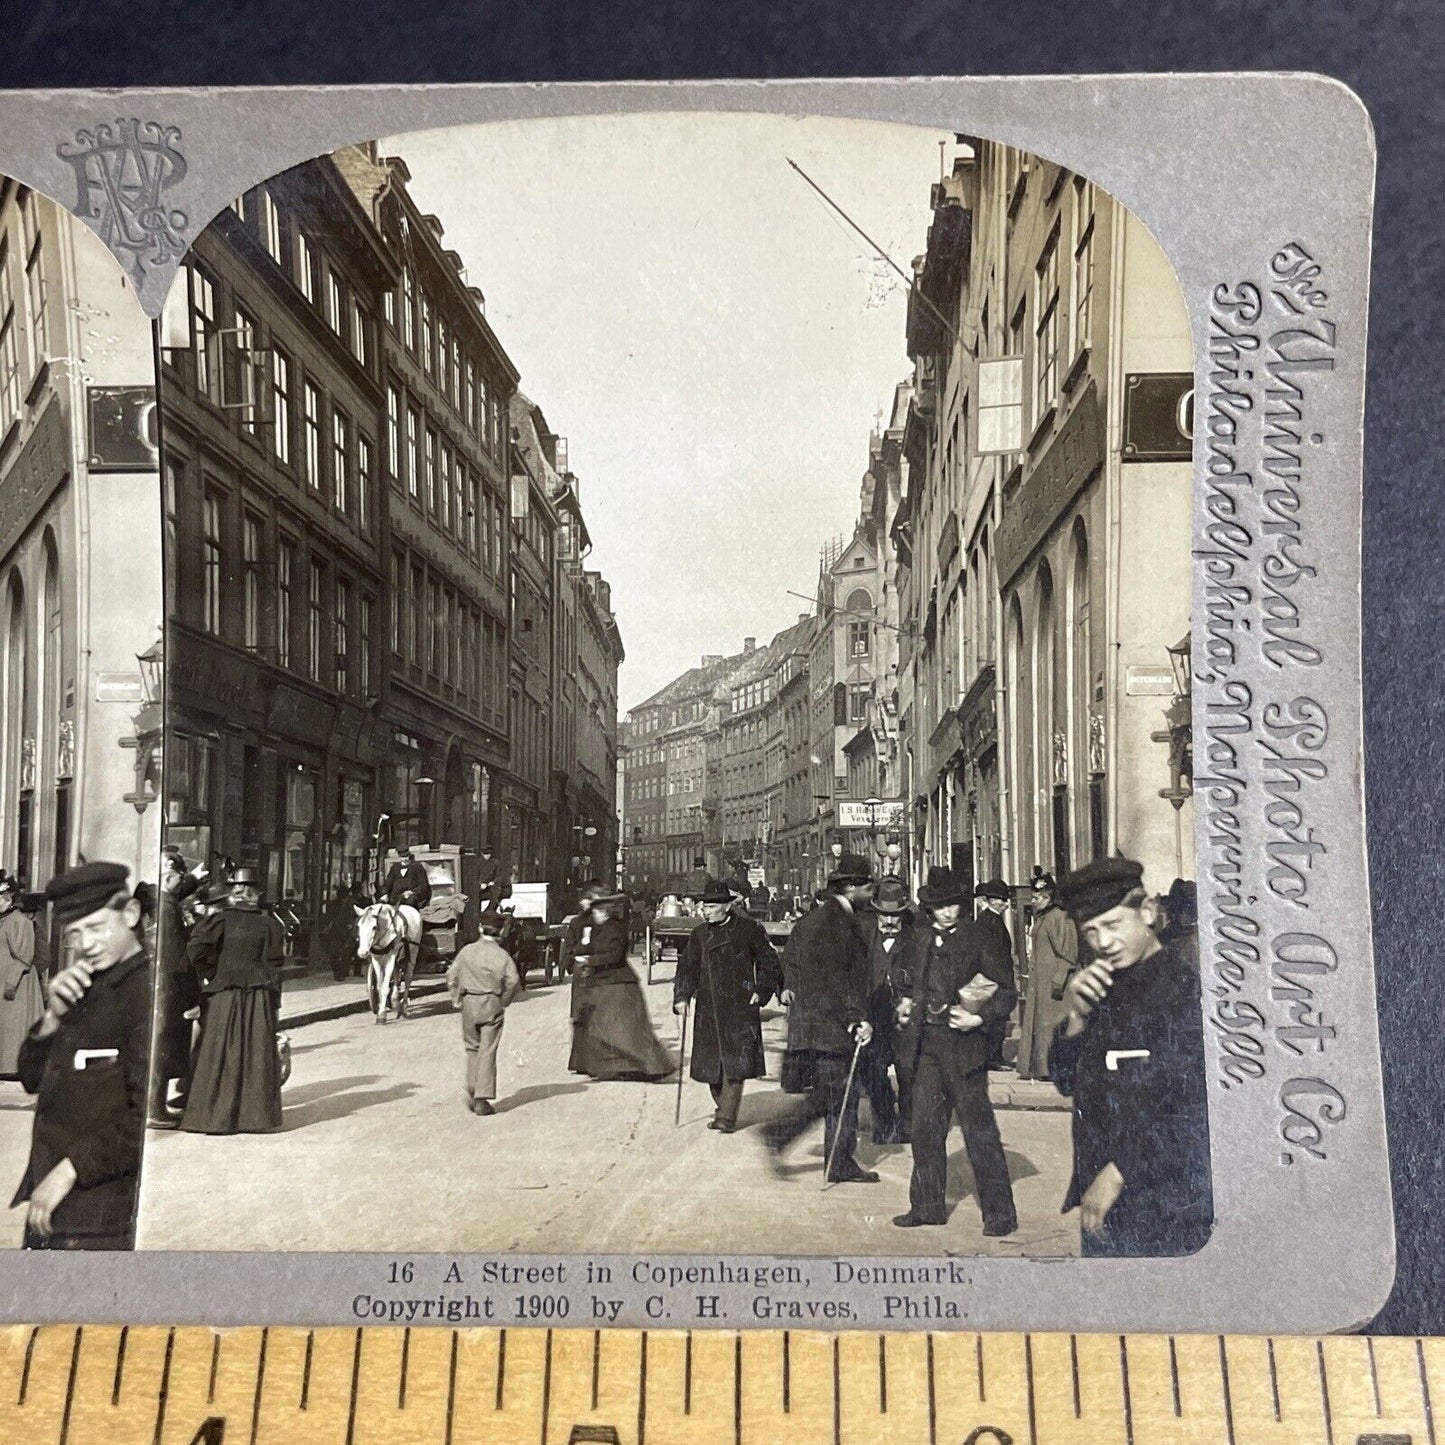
column 273, row 417
column 445, row 457
column 80, row 552
column 527, row 793
column 1045, row 532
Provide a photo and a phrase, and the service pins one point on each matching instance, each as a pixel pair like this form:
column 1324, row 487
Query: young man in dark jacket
column 86, row 1060
column 961, row 981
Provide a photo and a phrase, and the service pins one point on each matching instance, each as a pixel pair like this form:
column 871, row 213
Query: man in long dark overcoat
column 961, row 981
column 730, row 970
column 406, row 882
column 992, row 899
column 825, row 972
column 177, row 993
column 1130, row 1052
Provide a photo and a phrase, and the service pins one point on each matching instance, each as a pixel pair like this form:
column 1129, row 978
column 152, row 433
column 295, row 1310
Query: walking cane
column 681, row 1064
column 847, row 1089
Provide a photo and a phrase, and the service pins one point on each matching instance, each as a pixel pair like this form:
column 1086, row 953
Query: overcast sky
column 713, row 344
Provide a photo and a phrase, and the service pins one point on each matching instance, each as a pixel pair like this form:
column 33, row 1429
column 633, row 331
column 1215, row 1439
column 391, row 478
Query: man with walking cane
column 825, row 971
column 731, row 970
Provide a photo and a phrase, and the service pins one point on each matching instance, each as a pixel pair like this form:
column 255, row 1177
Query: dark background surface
column 1389, row 53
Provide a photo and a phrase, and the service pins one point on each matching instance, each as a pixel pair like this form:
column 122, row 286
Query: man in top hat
column 86, row 1060
column 962, row 981
column 1130, row 1052
column 992, row 900
column 731, row 970
column 406, row 882
column 890, row 920
column 825, row 970
column 1053, row 948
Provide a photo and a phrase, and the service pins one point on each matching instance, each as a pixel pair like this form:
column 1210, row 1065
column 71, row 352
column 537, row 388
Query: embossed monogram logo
column 122, row 172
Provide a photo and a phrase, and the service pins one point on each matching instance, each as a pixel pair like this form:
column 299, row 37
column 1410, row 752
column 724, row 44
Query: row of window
column 24, row 339
column 419, row 325
column 1060, row 321
column 262, row 589
column 310, row 433
column 422, row 458
column 315, row 274
column 442, row 633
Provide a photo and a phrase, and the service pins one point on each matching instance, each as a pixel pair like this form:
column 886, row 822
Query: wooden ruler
column 94, row 1385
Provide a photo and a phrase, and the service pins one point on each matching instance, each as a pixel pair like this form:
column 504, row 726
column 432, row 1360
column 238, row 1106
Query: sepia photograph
column 678, row 731
column 81, row 716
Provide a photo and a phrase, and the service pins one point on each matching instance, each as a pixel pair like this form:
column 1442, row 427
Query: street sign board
column 853, row 814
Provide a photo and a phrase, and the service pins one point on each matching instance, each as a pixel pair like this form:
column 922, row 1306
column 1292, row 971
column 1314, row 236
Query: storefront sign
column 1074, row 455
column 214, row 681
column 37, row 470
column 1158, row 416
column 297, row 714
column 122, row 428
column 882, row 815
column 119, row 687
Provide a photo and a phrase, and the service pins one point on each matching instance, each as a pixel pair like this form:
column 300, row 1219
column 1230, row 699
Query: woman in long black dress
column 612, row 1033
column 236, row 1081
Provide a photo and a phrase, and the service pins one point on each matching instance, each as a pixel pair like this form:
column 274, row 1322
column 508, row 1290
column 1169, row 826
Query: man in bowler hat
column 825, row 973
column 86, row 1061
column 891, row 920
column 961, row 982
column 993, row 900
column 1130, row 1053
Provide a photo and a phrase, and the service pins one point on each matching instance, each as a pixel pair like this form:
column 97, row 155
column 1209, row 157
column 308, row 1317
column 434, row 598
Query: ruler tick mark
column 882, row 1375
column 978, row 1365
column 1228, row 1396
column 738, row 1390
column 215, row 1365
column 687, row 1375
column 932, row 1399
column 1074, row 1370
column 546, row 1385
column 25, row 1371
column 1128, row 1399
column 405, row 1358
column 451, row 1389
column 837, row 1396
column 355, row 1387
column 501, row 1364
column 70, row 1386
column 787, row 1373
column 119, row 1365
column 1273, row 1377
column 1374, row 1375
column 165, row 1388
column 1029, row 1380
column 1425, row 1392
column 1174, row 1377
column 260, row 1378
column 642, row 1393
column 596, row 1363
column 1325, row 1394
column 306, row 1369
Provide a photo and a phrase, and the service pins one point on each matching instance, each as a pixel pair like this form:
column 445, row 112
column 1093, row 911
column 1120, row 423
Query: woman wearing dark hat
column 1053, row 946
column 1130, row 1053
column 731, row 970
column 612, row 1033
column 238, row 952
column 24, row 996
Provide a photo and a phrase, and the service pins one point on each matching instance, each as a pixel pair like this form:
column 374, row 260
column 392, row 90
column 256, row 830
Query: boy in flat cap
column 1131, row 1054
column 87, row 1060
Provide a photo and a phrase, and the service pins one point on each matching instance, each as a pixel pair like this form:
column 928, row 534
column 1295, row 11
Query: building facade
column 272, row 412
column 1046, row 529
column 80, row 553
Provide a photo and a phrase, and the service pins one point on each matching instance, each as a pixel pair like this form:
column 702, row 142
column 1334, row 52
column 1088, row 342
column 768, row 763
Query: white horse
column 388, row 935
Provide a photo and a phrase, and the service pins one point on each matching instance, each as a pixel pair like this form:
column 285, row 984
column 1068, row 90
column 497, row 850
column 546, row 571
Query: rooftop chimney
column 749, row 643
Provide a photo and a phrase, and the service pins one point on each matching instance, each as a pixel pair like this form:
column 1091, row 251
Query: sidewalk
column 1007, row 1091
